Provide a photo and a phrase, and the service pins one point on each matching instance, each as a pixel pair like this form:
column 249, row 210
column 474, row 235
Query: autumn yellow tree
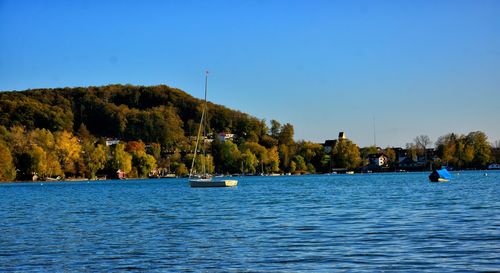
column 17, row 140
column 7, row 168
column 39, row 160
column 43, row 149
column 181, row 169
column 121, row 159
column 142, row 162
column 273, row 160
column 68, row 150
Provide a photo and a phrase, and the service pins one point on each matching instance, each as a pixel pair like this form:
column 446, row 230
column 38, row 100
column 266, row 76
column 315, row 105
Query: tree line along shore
column 140, row 131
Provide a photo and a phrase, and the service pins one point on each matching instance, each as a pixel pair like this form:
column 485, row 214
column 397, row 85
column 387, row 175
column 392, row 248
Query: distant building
column 400, row 153
column 120, row 174
column 330, row 143
column 223, row 137
column 112, row 141
column 328, row 146
column 378, row 159
column 408, row 163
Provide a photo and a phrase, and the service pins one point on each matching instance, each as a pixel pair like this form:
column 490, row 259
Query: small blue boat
column 440, row 175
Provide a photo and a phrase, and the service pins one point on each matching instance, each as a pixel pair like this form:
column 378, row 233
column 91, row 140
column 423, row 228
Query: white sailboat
column 205, row 180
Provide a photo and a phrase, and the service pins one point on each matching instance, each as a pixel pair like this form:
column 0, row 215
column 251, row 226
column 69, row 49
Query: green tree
column 346, row 154
column 300, row 163
column 249, row 162
column 482, row 149
column 367, row 151
column 259, row 151
column 144, row 163
column 293, row 166
column 311, row 168
column 286, row 134
column 275, row 129
column 121, row 160
column 309, row 151
column 268, row 141
column 230, row 156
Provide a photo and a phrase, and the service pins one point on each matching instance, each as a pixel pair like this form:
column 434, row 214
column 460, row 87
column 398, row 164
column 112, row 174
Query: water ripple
column 355, row 223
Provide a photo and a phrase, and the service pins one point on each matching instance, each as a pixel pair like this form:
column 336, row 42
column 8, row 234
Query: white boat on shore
column 494, row 166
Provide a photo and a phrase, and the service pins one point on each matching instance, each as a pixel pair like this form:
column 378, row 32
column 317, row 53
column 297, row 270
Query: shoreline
column 307, row 174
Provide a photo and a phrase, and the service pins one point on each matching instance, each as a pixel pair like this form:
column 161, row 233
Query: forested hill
column 158, row 114
column 50, row 133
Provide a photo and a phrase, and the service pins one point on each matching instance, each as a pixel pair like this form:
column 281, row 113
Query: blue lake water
column 359, row 223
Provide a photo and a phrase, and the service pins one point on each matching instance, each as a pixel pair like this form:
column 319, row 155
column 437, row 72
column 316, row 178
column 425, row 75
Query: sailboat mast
column 203, row 167
column 199, row 129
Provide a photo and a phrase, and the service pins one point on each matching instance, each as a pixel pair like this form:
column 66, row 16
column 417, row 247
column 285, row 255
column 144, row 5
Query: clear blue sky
column 415, row 67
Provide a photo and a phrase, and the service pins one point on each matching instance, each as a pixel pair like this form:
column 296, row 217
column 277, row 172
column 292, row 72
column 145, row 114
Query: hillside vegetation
column 153, row 114
column 66, row 132
column 63, row 132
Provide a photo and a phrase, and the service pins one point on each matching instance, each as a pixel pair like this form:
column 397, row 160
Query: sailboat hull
column 205, row 183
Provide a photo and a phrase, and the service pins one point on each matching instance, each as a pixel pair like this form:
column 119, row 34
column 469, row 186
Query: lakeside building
column 330, row 143
column 378, row 160
column 405, row 159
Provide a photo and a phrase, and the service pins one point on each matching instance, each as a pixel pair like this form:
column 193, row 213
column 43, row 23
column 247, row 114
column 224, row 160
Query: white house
column 112, row 141
column 378, row 159
column 223, row 137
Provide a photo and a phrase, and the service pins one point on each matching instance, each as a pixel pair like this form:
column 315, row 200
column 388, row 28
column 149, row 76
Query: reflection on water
column 373, row 222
